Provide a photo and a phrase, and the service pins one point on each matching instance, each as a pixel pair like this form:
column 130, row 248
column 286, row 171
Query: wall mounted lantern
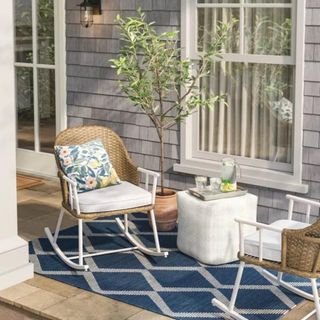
column 88, row 8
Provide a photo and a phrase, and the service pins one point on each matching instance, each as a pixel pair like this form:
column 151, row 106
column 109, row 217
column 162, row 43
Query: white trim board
column 14, row 253
column 279, row 181
column 36, row 163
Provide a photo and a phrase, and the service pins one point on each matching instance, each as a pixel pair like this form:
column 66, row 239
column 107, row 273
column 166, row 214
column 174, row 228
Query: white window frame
column 257, row 172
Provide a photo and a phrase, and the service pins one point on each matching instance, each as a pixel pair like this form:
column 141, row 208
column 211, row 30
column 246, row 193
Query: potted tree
column 151, row 71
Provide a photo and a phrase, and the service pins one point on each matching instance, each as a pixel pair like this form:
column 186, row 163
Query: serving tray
column 207, row 195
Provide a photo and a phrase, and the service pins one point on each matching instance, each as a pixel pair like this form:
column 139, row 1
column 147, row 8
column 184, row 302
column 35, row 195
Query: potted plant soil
column 160, row 83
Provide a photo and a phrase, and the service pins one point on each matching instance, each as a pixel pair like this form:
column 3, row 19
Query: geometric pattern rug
column 178, row 286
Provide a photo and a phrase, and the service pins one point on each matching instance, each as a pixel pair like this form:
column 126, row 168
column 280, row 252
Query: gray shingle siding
column 94, row 96
column 311, row 120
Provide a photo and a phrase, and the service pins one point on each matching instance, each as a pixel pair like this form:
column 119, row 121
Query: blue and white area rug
column 177, row 286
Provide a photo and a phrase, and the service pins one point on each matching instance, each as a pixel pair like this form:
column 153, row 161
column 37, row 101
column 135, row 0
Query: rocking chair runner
column 121, row 199
column 286, row 246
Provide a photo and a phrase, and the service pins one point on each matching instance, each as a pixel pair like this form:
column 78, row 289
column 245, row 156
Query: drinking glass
column 201, row 182
column 215, row 184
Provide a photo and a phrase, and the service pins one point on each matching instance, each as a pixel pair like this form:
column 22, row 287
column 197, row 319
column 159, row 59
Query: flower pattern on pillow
column 88, row 164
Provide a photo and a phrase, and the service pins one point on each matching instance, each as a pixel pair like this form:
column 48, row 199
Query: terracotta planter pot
column 166, row 210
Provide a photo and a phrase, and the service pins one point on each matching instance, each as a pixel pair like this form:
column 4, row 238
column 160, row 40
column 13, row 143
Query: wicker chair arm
column 68, row 180
column 260, row 227
column 303, row 200
column 69, row 191
column 155, row 176
column 301, row 249
column 149, row 172
column 307, row 202
column 64, row 187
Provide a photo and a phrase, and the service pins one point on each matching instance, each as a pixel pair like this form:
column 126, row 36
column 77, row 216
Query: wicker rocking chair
column 122, row 199
column 286, row 246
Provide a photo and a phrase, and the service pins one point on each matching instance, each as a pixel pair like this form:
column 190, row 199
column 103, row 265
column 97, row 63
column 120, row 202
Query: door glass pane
column 45, row 28
column 209, row 19
column 25, row 114
column 23, row 30
column 268, row 31
column 47, row 109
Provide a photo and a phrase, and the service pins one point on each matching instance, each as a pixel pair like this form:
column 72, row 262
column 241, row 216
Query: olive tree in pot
column 164, row 86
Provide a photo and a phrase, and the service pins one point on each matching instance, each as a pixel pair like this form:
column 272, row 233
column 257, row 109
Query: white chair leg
column 316, row 296
column 53, row 240
column 236, row 286
column 286, row 285
column 279, row 278
column 80, row 241
column 138, row 245
column 126, row 227
column 155, row 230
column 56, row 233
column 309, row 315
column 80, row 257
column 229, row 310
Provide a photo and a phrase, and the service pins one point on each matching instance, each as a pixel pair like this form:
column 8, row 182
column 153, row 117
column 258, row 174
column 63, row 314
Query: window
column 261, row 74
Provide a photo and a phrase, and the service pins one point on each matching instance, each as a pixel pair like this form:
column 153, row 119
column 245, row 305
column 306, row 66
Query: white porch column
column 14, row 260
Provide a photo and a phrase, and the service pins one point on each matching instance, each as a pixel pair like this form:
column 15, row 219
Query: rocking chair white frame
column 307, row 236
column 70, row 203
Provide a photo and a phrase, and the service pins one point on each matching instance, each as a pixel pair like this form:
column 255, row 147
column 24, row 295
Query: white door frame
column 36, row 162
column 14, row 253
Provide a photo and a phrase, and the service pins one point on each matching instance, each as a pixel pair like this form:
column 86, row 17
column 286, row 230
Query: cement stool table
column 207, row 230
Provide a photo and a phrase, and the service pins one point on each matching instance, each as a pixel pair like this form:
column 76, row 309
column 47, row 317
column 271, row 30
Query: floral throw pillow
column 88, row 164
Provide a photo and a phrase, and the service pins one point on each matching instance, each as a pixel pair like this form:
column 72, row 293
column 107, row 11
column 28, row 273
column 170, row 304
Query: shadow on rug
column 177, row 286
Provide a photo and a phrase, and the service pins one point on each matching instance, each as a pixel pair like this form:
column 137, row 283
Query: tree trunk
column 161, row 162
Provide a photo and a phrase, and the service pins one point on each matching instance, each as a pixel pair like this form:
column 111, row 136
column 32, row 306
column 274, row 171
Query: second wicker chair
column 286, row 246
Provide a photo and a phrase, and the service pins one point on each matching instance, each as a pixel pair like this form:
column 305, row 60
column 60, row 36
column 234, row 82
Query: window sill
column 249, row 175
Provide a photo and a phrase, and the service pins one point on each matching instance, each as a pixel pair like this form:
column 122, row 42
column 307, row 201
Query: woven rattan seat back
column 118, row 154
column 301, row 250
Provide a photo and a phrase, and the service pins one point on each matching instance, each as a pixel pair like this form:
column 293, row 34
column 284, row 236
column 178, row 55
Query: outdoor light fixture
column 87, row 9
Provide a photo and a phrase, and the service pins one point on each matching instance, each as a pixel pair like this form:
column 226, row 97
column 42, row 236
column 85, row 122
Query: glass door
column 38, row 72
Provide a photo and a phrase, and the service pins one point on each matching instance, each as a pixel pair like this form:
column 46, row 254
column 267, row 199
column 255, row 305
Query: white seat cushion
column 271, row 240
column 118, row 197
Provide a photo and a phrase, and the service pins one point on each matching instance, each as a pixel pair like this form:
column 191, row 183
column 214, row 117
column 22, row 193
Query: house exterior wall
column 94, row 97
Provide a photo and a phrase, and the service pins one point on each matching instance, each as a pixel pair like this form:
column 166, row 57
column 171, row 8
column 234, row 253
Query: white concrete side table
column 207, row 230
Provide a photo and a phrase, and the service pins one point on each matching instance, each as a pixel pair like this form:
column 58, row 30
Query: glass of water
column 215, row 184
column 201, row 182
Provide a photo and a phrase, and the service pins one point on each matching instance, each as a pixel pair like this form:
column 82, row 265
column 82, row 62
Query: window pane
column 258, row 121
column 24, row 102
column 23, row 30
column 268, row 1
column 209, row 19
column 218, row 1
column 45, row 12
column 268, row 31
column 47, row 110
